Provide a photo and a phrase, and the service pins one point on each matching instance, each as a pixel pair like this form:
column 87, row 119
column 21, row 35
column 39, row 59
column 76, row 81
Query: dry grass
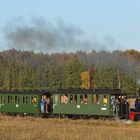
column 30, row 128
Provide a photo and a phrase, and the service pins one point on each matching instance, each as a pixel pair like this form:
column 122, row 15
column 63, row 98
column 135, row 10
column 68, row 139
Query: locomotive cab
column 135, row 113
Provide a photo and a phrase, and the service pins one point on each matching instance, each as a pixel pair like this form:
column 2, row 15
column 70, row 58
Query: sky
column 106, row 21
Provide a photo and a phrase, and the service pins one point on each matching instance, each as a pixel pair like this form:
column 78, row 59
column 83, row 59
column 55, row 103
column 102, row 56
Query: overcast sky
column 99, row 19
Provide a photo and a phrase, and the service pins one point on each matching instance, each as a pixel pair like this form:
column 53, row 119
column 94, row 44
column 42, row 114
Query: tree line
column 30, row 70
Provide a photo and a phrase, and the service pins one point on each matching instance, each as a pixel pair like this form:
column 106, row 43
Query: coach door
column 45, row 103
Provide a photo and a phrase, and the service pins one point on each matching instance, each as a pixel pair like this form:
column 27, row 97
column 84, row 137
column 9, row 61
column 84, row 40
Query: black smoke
column 41, row 35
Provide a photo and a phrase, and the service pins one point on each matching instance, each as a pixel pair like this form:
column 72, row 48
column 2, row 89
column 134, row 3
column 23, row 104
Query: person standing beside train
column 42, row 104
column 137, row 104
column 47, row 102
column 115, row 105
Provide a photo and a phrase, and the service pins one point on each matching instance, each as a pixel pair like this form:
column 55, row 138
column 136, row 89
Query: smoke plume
column 43, row 36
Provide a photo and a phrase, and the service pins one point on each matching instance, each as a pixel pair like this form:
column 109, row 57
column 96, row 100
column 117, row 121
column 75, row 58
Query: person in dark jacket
column 137, row 104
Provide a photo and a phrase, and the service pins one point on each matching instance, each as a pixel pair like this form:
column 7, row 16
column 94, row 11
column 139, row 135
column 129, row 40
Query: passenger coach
column 91, row 102
column 73, row 102
column 28, row 102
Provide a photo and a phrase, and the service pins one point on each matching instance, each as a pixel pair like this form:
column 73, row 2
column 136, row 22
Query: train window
column 85, row 99
column 33, row 100
column 23, row 100
column 81, row 99
column 26, row 99
column 71, row 98
column 56, row 98
column 4, row 99
column 61, row 98
column 64, row 98
column 75, row 98
column 104, row 100
column 93, row 99
column 0, row 99
column 16, row 101
column 10, row 99
column 97, row 99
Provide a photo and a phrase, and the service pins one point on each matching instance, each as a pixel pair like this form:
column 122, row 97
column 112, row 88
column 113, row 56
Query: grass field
column 31, row 128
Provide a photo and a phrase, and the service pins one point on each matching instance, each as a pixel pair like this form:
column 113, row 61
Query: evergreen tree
column 72, row 73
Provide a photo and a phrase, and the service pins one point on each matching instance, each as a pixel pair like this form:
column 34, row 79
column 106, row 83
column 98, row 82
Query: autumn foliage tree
column 85, row 78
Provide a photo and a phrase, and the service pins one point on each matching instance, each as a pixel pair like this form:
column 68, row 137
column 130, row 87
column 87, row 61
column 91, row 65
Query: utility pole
column 118, row 75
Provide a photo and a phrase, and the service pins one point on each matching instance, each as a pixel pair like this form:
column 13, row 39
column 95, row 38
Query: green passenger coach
column 71, row 102
column 92, row 102
column 21, row 101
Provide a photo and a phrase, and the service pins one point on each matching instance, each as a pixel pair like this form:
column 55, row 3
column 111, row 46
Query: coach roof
column 89, row 91
column 25, row 92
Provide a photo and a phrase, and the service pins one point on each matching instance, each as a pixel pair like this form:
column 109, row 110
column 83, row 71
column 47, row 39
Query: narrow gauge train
column 66, row 102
